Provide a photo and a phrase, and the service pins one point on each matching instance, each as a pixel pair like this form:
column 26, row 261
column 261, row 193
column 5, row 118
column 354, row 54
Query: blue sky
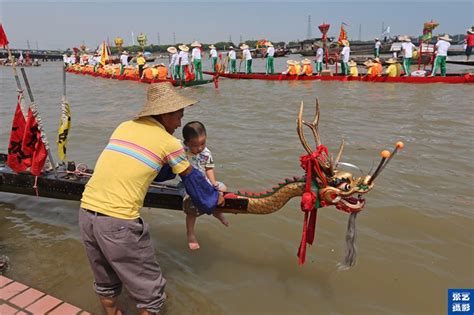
column 63, row 24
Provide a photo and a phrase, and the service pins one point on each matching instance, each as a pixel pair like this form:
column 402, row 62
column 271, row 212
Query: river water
column 415, row 236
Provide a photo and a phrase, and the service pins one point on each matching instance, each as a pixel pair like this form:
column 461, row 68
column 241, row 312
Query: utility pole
column 240, row 39
column 360, row 32
column 133, row 40
column 28, row 44
column 308, row 33
column 230, row 38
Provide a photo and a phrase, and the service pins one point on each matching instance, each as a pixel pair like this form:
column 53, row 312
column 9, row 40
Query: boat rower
column 270, row 68
column 248, row 58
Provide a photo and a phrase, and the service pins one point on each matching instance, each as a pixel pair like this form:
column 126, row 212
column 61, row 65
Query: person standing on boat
column 141, row 61
column 213, row 57
column 378, row 45
column 233, row 60
column 116, row 238
column 270, row 68
column 345, row 53
column 196, row 59
column 248, row 58
column 183, row 62
column 173, row 56
column 407, row 52
column 441, row 49
column 469, row 42
column 123, row 61
column 319, row 58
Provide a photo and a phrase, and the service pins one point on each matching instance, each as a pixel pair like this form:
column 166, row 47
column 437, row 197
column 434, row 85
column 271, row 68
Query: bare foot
column 192, row 242
column 220, row 216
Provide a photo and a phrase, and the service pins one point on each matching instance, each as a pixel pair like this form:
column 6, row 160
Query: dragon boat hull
column 455, row 78
column 121, row 78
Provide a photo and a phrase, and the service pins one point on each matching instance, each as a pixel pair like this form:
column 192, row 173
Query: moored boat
column 451, row 78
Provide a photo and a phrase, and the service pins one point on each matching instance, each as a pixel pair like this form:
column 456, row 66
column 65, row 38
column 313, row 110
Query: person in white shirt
column 248, row 58
column 345, row 53
column 407, row 51
column 233, row 60
column 196, row 59
column 173, row 58
column 270, row 68
column 183, row 62
column 123, row 61
column 213, row 56
column 377, row 46
column 441, row 48
column 319, row 58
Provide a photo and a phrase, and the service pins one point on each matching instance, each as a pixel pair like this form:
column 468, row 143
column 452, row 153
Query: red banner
column 32, row 144
column 18, row 160
column 342, row 35
column 3, row 37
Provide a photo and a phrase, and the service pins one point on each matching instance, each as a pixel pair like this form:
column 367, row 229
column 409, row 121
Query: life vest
column 162, row 73
column 148, row 74
column 292, row 70
column 378, row 69
column 308, row 69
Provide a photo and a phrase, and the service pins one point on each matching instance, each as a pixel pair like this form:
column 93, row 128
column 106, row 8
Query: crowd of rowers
column 184, row 67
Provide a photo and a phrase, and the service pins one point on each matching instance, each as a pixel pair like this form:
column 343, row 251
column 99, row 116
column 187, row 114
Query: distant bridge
column 42, row 55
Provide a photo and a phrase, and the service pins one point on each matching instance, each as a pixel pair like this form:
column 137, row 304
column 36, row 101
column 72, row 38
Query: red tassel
column 308, row 201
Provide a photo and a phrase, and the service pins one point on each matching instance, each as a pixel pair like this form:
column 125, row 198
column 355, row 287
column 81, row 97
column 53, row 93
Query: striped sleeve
column 176, row 156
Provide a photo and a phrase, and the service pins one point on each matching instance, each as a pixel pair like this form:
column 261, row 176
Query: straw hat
column 401, row 38
column 212, row 46
column 290, row 62
column 162, row 99
column 367, row 62
column 406, row 39
column 269, row 44
column 391, row 60
column 196, row 44
column 306, row 61
column 352, row 63
column 345, row 42
column 376, row 38
column 183, row 48
column 445, row 37
column 470, row 30
column 231, row 47
column 172, row 50
column 377, row 60
column 244, row 46
column 125, row 52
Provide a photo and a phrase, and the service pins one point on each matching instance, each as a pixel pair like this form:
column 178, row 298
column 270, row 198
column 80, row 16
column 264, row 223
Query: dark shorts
column 469, row 50
column 121, row 251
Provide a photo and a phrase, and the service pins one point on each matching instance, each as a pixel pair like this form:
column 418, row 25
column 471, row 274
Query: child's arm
column 211, row 176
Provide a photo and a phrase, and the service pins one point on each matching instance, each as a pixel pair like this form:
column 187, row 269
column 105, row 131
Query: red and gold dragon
column 324, row 184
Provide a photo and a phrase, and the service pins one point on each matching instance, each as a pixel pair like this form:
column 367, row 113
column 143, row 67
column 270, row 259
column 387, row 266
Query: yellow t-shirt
column 393, row 70
column 141, row 61
column 354, row 72
column 125, row 169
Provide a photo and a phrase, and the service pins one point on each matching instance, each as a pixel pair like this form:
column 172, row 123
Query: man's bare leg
column 110, row 305
column 190, row 233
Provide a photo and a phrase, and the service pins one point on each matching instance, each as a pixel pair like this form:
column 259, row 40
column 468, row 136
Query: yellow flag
column 105, row 54
column 63, row 130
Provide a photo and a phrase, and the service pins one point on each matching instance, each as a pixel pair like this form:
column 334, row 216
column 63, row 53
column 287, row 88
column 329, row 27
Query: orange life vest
column 292, row 70
column 162, row 73
column 148, row 74
column 308, row 69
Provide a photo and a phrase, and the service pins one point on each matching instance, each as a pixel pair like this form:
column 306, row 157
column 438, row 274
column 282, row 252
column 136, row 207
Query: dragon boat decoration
column 324, row 184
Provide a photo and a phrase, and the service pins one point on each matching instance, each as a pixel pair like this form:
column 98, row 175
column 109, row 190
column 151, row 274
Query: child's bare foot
column 193, row 243
column 220, row 216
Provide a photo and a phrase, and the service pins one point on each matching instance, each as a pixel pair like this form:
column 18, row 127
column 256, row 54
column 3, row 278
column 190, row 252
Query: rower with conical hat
column 407, row 52
column 196, row 56
column 441, row 49
column 394, row 68
column 183, row 62
column 345, row 54
column 213, row 57
column 248, row 58
column 232, row 60
column 319, row 58
column 353, row 71
column 173, row 66
column 306, row 68
column 270, row 68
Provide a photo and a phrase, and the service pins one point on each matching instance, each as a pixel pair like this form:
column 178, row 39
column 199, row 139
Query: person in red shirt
column 469, row 42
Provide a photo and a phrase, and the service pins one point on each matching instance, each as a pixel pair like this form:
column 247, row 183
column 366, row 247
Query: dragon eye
column 345, row 187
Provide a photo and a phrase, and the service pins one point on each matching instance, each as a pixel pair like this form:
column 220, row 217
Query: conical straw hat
column 162, row 99
column 172, row 50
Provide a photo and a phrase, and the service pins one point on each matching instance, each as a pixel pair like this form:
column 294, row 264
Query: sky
column 65, row 24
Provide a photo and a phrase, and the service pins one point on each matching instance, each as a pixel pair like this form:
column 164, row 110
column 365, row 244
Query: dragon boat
column 183, row 83
column 450, row 78
column 325, row 183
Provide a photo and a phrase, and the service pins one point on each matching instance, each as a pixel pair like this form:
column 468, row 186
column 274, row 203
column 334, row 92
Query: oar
column 36, row 114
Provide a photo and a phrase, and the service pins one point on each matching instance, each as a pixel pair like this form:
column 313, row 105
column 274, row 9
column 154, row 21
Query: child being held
column 200, row 157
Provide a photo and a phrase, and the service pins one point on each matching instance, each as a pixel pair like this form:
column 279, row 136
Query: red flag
column 33, row 144
column 342, row 34
column 18, row 160
column 3, row 37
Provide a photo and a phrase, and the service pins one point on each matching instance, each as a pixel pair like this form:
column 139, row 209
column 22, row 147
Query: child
column 194, row 134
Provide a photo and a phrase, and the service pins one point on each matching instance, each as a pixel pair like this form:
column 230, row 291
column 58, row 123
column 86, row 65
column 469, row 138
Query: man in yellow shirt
column 116, row 239
column 141, row 61
column 394, row 68
column 353, row 71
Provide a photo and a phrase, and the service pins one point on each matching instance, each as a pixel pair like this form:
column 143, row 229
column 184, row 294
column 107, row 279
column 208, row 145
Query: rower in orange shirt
column 307, row 68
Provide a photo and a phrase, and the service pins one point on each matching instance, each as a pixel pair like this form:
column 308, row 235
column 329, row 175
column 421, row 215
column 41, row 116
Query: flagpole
column 64, row 82
column 37, row 116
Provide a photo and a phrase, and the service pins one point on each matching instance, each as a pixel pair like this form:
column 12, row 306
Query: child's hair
column 193, row 129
